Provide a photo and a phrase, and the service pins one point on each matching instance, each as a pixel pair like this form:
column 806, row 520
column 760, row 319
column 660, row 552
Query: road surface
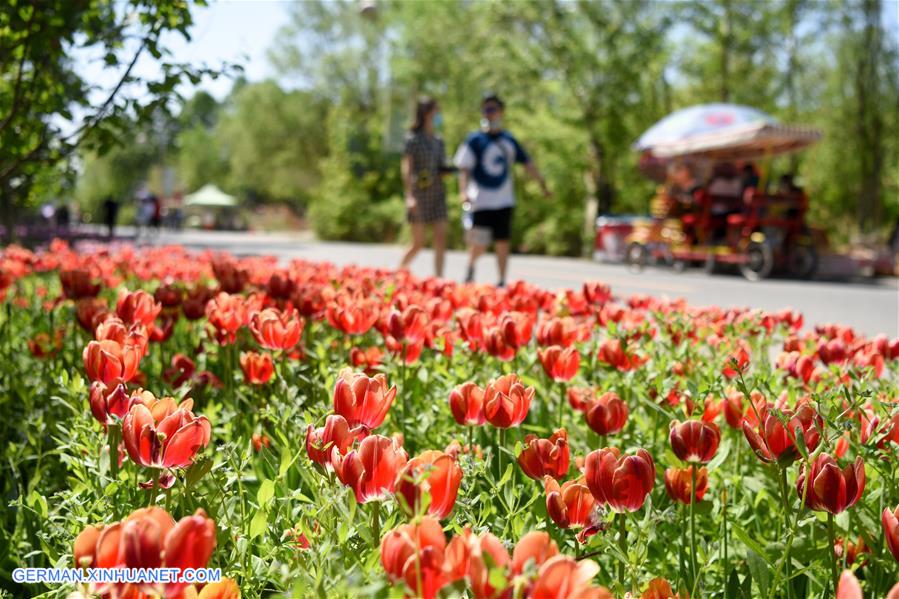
column 870, row 306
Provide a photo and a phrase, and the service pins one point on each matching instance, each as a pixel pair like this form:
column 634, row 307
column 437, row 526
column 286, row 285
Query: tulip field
column 315, row 431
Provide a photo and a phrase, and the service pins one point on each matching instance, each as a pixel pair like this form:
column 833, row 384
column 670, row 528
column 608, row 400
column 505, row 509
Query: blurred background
column 282, row 115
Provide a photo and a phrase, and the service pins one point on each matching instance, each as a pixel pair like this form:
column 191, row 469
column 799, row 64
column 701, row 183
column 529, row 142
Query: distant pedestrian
column 423, row 166
column 110, row 215
column 485, row 162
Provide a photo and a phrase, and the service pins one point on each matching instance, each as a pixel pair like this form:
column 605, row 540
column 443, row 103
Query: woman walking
column 423, row 165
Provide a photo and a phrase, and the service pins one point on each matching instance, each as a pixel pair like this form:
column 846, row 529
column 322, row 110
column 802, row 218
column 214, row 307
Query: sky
column 241, row 31
column 235, row 31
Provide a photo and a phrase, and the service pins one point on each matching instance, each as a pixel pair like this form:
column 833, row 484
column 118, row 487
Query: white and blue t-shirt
column 488, row 158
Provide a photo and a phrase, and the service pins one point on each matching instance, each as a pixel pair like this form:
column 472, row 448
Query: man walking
column 485, row 162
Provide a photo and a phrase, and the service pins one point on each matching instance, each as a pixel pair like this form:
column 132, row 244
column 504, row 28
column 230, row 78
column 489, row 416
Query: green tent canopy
column 209, row 195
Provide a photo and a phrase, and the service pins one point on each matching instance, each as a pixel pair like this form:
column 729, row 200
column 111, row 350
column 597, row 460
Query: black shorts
column 499, row 222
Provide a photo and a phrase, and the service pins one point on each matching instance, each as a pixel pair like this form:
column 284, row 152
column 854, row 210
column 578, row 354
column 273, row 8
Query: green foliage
column 48, row 110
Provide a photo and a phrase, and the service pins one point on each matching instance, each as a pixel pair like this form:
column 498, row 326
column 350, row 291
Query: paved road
column 871, row 306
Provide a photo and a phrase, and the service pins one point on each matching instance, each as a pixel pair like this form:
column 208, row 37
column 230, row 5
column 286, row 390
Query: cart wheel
column 679, row 265
column 759, row 262
column 803, row 261
column 637, row 255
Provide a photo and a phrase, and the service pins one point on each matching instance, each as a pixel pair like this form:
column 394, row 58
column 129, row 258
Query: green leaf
column 759, row 571
column 751, row 543
column 259, row 523
column 265, row 493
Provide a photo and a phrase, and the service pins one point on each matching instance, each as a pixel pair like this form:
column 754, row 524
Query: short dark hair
column 492, row 97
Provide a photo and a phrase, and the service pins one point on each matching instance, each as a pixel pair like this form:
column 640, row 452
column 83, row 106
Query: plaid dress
column 426, row 156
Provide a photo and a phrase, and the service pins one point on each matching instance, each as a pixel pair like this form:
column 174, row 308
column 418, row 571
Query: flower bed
column 323, row 431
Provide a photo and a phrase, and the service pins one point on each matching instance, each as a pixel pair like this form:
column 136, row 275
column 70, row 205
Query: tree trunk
column 726, row 50
column 869, row 121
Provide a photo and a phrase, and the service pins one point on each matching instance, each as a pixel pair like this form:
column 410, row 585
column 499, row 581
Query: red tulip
column 890, row 520
column 772, row 442
column 496, row 345
column 694, row 441
column 407, row 326
column 472, row 556
column 435, row 473
column 109, row 405
column 232, row 277
column 352, row 316
column 372, row 469
column 736, row 362
column 169, row 295
column 849, row 587
column 659, row 588
column 471, row 326
column 280, row 286
column 362, row 399
column 275, row 330
column 563, row 577
column 113, row 329
column 679, row 483
column 606, row 415
column 159, row 437
column 258, row 368
column 414, row 553
column 613, row 353
column 110, row 362
column 581, row 398
column 569, row 505
column 467, row 404
column 533, row 548
column 557, row 331
column 79, row 283
column 516, row 328
column 148, row 538
column 43, row 346
column 368, row 359
column 827, row 488
column 137, row 307
column 226, row 315
column 90, row 311
column 621, row 481
column 542, row 457
column 336, row 437
column 507, row 401
column 559, row 364
column 194, row 305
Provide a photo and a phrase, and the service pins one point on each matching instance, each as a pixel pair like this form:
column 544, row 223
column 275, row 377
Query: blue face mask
column 437, row 121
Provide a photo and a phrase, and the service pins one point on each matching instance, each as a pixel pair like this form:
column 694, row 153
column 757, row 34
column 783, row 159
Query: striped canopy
column 723, row 132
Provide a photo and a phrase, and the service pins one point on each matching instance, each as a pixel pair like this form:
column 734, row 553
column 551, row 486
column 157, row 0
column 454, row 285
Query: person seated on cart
column 794, row 194
column 725, row 192
column 690, row 200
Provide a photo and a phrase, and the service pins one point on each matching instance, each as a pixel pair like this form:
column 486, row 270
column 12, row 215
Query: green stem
column 404, row 393
column 471, row 441
column 724, row 512
column 376, row 523
column 113, row 435
column 500, row 440
column 693, row 524
column 561, row 403
column 784, row 494
column 833, row 557
column 622, row 546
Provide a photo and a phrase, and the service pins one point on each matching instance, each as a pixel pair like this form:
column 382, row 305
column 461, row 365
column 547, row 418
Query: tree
column 48, row 110
column 272, row 140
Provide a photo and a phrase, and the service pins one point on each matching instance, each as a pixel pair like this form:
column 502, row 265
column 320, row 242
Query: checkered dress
column 427, row 156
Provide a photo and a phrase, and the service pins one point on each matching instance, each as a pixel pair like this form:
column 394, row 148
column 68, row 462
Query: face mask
column 437, row 121
column 494, row 124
